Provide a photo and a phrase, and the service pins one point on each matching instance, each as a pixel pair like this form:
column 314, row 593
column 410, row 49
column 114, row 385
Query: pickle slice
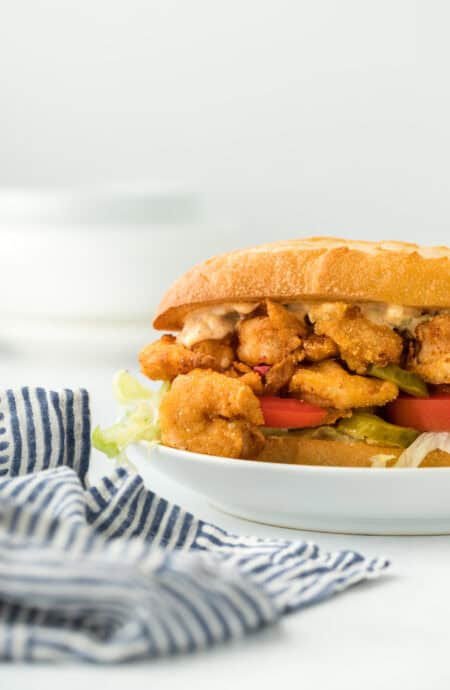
column 274, row 431
column 372, row 429
column 322, row 433
column 405, row 380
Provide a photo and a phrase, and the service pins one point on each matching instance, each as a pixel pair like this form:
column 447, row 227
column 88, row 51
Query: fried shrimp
column 319, row 347
column 246, row 375
column 328, row 385
column 315, row 348
column 430, row 355
column 218, row 352
column 281, row 373
column 269, row 339
column 360, row 341
column 207, row 412
column 166, row 358
column 280, row 317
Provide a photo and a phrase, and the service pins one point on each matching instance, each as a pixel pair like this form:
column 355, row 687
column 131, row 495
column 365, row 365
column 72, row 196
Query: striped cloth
column 113, row 572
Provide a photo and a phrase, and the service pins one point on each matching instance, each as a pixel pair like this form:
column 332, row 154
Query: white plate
column 329, row 499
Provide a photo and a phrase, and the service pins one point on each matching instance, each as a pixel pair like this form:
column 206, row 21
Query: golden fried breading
column 314, row 348
column 165, row 359
column 281, row 318
column 219, row 352
column 207, row 412
column 246, row 375
column 269, row 339
column 325, row 311
column 281, row 373
column 333, row 415
column 430, row 355
column 328, row 385
column 360, row 341
column 253, row 380
column 319, row 347
column 241, row 368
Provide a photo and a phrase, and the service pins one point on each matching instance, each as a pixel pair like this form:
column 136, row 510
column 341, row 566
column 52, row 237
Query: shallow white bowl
column 329, row 499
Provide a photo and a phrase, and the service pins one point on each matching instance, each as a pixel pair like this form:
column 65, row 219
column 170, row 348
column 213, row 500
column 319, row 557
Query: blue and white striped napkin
column 113, row 572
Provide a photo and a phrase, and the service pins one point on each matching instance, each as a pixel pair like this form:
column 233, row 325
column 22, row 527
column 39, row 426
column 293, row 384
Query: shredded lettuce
column 127, row 389
column 415, row 454
column 424, row 444
column 138, row 421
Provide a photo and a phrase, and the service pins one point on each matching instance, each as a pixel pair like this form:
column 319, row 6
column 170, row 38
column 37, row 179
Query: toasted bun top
column 316, row 268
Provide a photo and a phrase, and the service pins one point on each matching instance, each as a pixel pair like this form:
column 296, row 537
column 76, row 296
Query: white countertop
column 390, row 633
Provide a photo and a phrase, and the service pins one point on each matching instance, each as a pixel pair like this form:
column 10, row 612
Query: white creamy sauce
column 218, row 321
column 392, row 315
column 213, row 322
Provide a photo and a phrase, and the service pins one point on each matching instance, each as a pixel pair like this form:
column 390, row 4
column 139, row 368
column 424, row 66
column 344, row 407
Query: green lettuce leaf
column 138, row 421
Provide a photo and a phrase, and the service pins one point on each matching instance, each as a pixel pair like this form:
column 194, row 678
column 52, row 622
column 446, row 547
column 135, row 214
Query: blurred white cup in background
column 82, row 270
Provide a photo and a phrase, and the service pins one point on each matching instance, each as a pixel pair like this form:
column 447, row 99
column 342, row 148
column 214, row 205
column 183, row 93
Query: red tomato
column 290, row 413
column 423, row 414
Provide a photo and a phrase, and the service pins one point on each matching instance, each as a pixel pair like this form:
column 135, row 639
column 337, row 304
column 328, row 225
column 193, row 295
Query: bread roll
column 300, row 450
column 319, row 268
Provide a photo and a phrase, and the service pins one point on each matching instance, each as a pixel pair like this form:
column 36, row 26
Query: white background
column 290, row 117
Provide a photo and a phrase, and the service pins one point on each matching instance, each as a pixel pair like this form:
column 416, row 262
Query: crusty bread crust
column 298, row 450
column 318, row 268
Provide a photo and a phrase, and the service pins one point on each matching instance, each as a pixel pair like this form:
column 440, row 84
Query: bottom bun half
column 298, row 450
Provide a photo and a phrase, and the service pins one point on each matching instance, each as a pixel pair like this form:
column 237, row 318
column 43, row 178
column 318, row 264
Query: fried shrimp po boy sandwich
column 314, row 351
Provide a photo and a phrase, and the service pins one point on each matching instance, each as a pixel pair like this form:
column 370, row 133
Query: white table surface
column 391, row 633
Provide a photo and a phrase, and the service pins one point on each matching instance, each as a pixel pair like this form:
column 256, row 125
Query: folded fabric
column 113, row 572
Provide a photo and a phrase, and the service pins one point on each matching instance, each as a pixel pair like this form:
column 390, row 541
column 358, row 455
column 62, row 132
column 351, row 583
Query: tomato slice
column 423, row 414
column 290, row 413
